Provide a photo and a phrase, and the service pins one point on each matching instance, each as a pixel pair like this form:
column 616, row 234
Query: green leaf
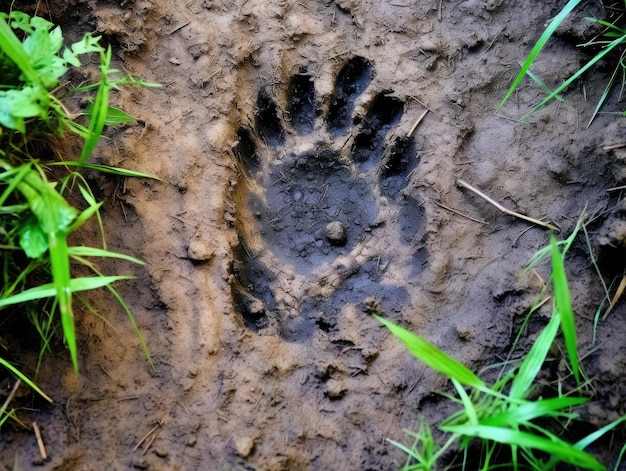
column 6, row 117
column 434, row 358
column 27, row 102
column 12, row 47
column 87, row 45
column 53, row 212
column 33, row 239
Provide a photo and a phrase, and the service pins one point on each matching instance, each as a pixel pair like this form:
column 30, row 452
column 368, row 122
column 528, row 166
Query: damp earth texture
column 300, row 193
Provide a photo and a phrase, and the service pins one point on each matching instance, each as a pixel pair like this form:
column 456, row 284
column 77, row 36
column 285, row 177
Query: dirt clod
column 244, row 446
column 336, row 233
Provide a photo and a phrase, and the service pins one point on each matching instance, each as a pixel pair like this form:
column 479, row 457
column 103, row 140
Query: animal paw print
column 322, row 218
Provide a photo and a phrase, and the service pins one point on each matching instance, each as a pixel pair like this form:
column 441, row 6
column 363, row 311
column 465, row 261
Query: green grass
column 610, row 39
column 40, row 196
column 505, row 414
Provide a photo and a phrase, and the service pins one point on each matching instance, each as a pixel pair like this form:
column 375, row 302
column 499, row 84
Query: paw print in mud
column 323, row 217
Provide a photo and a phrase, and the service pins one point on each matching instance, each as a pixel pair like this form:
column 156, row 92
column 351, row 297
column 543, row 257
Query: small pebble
column 335, row 389
column 336, row 233
column 244, row 446
column 161, row 452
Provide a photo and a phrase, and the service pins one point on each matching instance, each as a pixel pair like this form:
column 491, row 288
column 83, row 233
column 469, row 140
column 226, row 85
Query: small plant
column 36, row 216
column 611, row 38
column 503, row 414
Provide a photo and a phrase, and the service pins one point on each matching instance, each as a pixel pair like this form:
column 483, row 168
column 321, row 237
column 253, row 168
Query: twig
column 42, row 448
column 417, row 123
column 458, row 212
column 178, row 28
column 508, row 118
column 616, row 297
column 615, row 146
column 505, row 210
column 10, row 398
column 149, row 444
column 617, row 188
column 152, row 430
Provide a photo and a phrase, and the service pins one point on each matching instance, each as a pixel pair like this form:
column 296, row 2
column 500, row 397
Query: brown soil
column 295, row 201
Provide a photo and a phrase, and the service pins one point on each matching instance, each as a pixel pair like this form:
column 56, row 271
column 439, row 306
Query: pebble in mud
column 335, row 389
column 244, row 446
column 336, row 233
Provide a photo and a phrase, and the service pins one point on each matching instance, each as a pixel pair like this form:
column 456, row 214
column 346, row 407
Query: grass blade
column 120, row 172
column 519, row 414
column 575, row 77
column 48, row 290
column 543, row 39
column 138, row 333
column 544, row 86
column 605, row 93
column 563, row 305
column 468, row 405
column 534, row 359
column 554, row 446
column 81, row 251
column 100, row 107
column 24, row 378
column 433, row 357
column 60, row 264
column 592, row 437
column 113, row 117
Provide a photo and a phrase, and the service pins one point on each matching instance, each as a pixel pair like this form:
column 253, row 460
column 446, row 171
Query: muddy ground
column 297, row 199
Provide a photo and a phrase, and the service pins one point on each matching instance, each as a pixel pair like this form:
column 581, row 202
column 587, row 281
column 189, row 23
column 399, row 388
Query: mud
column 297, row 199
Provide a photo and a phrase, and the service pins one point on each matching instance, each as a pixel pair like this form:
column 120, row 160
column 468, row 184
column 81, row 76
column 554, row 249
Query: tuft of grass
column 610, row 39
column 504, row 414
column 37, row 217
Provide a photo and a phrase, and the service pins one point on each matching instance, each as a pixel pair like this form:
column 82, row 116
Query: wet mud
column 298, row 197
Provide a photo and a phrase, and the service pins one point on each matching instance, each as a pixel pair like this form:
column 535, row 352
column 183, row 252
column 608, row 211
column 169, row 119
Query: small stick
column 152, row 430
column 417, row 123
column 42, row 448
column 178, row 28
column 617, row 188
column 614, row 146
column 10, row 398
column 149, row 444
column 618, row 294
column 505, row 210
column 458, row 212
